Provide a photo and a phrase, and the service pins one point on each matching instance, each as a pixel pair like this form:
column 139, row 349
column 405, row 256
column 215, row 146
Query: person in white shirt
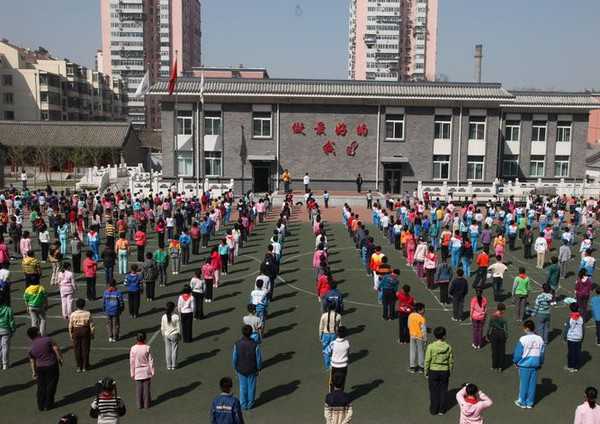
column 306, row 182
column 186, row 305
column 44, row 237
column 340, row 350
column 540, row 246
column 198, row 287
column 24, row 179
column 266, row 282
column 171, row 332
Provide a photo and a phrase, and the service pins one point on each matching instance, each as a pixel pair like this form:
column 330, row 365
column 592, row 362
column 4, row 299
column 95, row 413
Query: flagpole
column 200, row 169
column 175, row 126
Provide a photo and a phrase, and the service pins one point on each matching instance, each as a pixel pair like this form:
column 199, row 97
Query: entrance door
column 261, row 177
column 392, row 180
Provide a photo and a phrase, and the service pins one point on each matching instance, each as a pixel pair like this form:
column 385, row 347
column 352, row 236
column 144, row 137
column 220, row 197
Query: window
column 184, row 122
column 561, row 166
column 538, row 131
column 185, row 164
column 537, row 166
column 8, row 98
column 510, row 166
column 394, row 127
column 212, row 164
column 563, row 132
column 475, row 167
column 212, row 123
column 512, row 131
column 7, row 80
column 261, row 124
column 9, row 115
column 441, row 167
column 477, row 128
column 443, row 125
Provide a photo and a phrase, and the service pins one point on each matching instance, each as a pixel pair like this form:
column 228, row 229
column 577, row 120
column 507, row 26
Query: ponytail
column 591, row 394
column 169, row 312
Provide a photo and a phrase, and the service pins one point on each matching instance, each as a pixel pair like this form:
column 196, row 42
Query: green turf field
column 292, row 385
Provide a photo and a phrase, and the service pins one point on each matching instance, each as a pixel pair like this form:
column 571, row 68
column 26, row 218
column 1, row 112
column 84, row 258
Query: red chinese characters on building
column 320, row 128
column 329, row 148
column 362, row 130
column 298, row 128
column 341, row 129
column 351, row 149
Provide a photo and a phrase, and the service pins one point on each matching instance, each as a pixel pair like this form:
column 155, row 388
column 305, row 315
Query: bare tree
column 42, row 157
column 17, row 156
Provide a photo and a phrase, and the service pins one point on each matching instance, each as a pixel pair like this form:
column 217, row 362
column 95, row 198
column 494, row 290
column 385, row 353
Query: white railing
column 517, row 189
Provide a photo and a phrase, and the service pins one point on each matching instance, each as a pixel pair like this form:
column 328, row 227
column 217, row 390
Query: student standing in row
column 162, row 261
column 472, row 403
column 247, row 362
column 67, row 287
column 81, row 331
column 588, row 412
column 133, row 282
column 113, row 305
column 186, row 307
column 417, row 328
column 573, row 333
column 458, row 290
column 520, row 292
column 498, row 335
column 478, row 314
column 406, row 304
column 198, row 287
column 226, row 408
column 141, row 369
column 328, row 325
column 439, row 362
column 171, row 332
column 340, row 351
column 45, row 358
column 36, row 299
column 90, row 267
column 150, row 274
column 528, row 357
column 7, row 329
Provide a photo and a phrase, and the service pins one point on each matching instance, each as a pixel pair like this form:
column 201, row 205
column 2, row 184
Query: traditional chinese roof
column 64, row 133
column 550, row 99
column 336, row 89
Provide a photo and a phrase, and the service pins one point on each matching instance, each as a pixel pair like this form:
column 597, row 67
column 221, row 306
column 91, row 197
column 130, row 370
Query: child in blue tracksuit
column 226, row 408
column 595, row 305
column 112, row 305
column 528, row 356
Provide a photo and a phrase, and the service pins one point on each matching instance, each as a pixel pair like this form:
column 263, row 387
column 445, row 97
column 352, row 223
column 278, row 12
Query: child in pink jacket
column 141, row 366
column 472, row 403
column 478, row 313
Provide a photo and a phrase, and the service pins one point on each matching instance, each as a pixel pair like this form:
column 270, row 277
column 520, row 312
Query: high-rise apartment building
column 146, row 35
column 392, row 40
column 36, row 86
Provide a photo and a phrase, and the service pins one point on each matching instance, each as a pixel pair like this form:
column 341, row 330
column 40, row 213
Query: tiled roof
column 336, row 88
column 549, row 99
column 63, row 133
column 151, row 139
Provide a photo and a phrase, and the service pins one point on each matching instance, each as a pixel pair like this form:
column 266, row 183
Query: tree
column 17, row 156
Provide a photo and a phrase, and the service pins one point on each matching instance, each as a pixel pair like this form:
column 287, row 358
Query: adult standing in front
column 45, row 357
column 141, row 369
column 528, row 357
column 171, row 332
column 247, row 362
column 306, row 182
column 359, row 183
column 439, row 361
column 287, row 178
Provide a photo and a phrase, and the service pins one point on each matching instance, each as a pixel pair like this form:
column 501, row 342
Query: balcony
column 442, row 146
column 476, row 148
column 539, row 148
column 563, row 148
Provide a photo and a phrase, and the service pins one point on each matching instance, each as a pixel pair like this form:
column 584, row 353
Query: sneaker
column 473, row 346
column 573, row 370
column 519, row 404
column 529, row 406
column 454, row 319
column 4, row 367
column 420, row 370
column 78, row 370
column 412, row 370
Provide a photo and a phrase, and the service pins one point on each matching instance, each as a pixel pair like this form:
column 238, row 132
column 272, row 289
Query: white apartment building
column 391, row 40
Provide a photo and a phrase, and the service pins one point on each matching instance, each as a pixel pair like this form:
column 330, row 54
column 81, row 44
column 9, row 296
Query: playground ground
column 292, row 384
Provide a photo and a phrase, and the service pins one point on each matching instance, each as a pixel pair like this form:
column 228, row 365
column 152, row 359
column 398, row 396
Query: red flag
column 173, row 78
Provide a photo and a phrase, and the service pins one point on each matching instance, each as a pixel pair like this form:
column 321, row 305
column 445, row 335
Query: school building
column 393, row 133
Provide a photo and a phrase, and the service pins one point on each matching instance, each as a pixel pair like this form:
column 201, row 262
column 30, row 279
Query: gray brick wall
column 303, row 153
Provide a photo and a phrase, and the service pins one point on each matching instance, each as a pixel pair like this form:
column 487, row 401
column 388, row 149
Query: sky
column 543, row 44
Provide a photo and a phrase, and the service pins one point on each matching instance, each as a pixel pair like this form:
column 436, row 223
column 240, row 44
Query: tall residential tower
column 145, row 35
column 392, row 40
